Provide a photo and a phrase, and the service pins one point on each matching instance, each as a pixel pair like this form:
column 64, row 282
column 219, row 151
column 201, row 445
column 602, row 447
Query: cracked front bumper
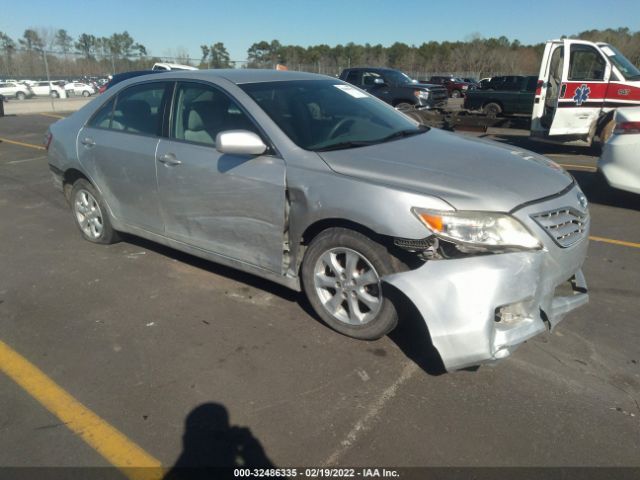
column 461, row 299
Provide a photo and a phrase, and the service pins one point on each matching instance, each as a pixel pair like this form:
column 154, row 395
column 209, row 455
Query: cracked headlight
column 478, row 230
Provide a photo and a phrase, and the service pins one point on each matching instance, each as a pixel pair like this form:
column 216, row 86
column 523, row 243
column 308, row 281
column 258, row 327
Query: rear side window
column 352, row 77
column 138, row 109
column 102, row 118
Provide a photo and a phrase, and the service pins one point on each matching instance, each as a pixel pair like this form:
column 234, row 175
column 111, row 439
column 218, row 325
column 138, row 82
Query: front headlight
column 478, row 230
column 424, row 94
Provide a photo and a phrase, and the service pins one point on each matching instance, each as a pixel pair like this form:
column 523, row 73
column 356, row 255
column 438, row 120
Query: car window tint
column 139, row 109
column 202, row 111
column 368, row 78
column 352, row 77
column 586, row 64
column 532, row 84
column 102, row 118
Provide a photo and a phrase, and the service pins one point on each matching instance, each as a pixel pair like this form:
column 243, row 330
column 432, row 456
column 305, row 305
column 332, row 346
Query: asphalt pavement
column 166, row 348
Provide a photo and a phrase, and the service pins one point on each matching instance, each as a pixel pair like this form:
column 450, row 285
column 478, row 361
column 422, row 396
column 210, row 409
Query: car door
column 581, row 92
column 118, row 146
column 232, row 205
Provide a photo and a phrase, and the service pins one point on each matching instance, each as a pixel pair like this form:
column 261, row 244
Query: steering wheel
column 339, row 126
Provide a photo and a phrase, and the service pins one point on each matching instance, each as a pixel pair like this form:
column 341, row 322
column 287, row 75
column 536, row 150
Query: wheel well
column 497, row 102
column 402, row 100
column 316, row 228
column 70, row 177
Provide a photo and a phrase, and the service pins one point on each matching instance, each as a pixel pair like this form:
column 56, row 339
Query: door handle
column 169, row 160
column 88, row 142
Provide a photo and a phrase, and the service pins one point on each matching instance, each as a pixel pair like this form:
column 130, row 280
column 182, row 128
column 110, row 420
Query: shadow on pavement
column 412, row 336
column 211, row 447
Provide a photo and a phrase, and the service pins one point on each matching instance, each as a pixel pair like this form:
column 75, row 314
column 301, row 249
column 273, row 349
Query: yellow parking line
column 22, row 144
column 615, row 242
column 584, row 167
column 52, row 115
column 133, row 461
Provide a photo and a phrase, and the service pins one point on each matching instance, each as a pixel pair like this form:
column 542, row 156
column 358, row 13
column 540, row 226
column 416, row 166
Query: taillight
column 627, row 127
column 47, row 140
column 102, row 88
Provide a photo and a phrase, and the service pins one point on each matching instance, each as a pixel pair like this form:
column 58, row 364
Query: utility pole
column 46, row 69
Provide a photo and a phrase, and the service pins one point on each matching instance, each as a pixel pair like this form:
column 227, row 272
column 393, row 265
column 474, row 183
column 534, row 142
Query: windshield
column 628, row 69
column 397, row 77
column 329, row 114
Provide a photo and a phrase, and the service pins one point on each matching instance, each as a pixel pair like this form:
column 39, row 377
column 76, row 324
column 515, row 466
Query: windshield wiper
column 344, row 145
column 364, row 143
column 404, row 133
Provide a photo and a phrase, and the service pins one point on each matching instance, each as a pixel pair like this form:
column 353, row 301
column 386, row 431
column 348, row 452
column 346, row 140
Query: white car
column 171, row 66
column 15, row 89
column 619, row 161
column 49, row 88
column 79, row 88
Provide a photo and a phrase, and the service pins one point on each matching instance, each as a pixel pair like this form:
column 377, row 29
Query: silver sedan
column 314, row 184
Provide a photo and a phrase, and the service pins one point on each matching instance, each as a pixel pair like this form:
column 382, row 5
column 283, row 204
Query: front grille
column 565, row 225
column 439, row 93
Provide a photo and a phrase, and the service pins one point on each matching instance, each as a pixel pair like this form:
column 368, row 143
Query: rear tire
column 492, row 110
column 55, row 94
column 341, row 275
column 90, row 214
column 21, row 96
column 456, row 94
column 85, row 93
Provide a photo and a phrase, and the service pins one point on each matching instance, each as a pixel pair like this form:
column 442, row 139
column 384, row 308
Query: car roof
column 241, row 75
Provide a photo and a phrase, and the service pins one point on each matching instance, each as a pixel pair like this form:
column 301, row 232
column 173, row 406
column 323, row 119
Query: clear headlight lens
column 422, row 94
column 483, row 230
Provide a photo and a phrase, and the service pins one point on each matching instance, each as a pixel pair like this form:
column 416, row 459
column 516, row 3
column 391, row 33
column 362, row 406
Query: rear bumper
column 479, row 309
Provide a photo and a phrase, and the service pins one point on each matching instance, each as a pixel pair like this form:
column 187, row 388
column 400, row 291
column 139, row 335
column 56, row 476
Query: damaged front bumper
column 479, row 309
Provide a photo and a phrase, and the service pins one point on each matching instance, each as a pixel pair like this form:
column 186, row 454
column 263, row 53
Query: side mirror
column 240, row 142
column 378, row 81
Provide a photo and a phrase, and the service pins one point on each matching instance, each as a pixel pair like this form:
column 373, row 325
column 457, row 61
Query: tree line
column 94, row 55
column 476, row 55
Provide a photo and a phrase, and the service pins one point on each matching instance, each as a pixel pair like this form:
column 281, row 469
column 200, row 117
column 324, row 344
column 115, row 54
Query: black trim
column 56, row 170
column 565, row 190
column 597, row 103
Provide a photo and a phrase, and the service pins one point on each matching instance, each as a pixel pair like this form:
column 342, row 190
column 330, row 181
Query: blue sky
column 164, row 26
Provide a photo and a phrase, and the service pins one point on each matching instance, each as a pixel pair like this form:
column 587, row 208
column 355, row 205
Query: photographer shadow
column 212, row 448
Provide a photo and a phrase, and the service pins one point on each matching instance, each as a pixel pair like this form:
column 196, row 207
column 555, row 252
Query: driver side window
column 201, row 112
column 586, row 64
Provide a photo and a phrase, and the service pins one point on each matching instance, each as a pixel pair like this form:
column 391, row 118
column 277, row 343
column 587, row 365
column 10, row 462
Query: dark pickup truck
column 514, row 96
column 396, row 88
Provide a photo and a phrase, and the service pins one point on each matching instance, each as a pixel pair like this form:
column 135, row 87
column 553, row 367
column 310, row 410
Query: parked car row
column 56, row 89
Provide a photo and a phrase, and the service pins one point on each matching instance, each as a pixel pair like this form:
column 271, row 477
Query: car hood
column 468, row 173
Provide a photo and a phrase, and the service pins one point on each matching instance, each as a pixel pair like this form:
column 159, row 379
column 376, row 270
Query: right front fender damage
column 460, row 300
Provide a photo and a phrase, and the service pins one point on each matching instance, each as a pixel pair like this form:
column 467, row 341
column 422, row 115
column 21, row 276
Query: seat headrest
column 135, row 108
column 206, row 114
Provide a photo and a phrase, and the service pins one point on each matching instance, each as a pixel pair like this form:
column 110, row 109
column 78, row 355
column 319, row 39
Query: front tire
column 21, row 96
column 90, row 214
column 55, row 94
column 85, row 93
column 403, row 106
column 456, row 94
column 341, row 275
